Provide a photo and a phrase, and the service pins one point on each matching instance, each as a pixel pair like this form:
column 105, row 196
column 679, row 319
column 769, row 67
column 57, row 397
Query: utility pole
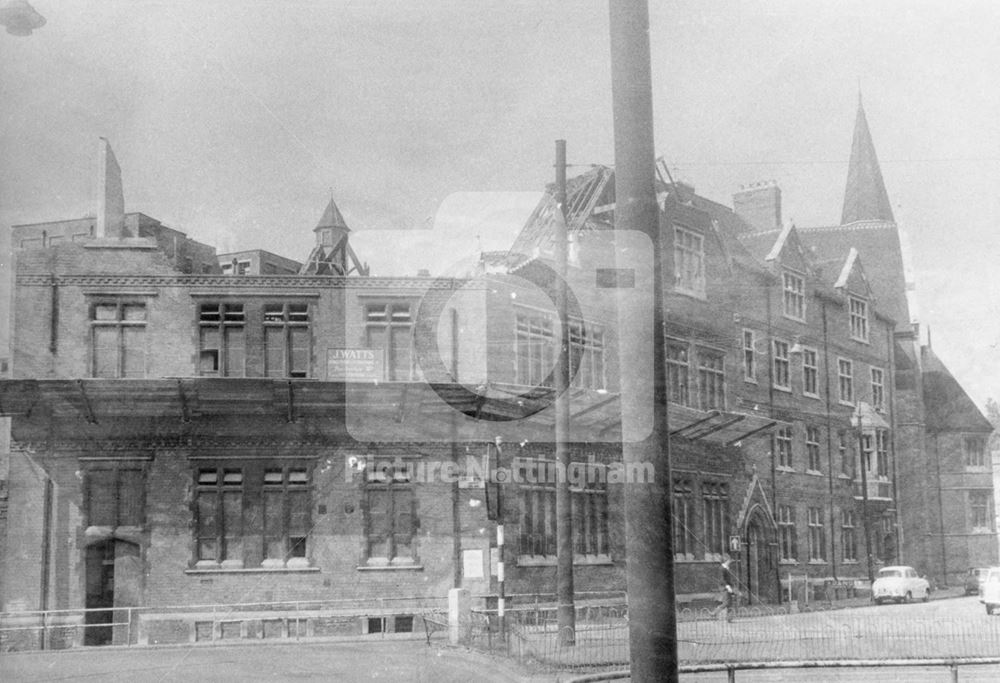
column 566, row 609
column 648, row 516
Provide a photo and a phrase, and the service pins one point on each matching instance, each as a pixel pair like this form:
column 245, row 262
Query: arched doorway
column 113, row 581
column 759, row 555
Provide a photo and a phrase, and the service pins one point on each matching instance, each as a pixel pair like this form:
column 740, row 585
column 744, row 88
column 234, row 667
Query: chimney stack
column 759, row 204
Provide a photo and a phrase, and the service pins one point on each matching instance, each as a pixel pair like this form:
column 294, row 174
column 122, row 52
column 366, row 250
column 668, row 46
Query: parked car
column 974, row 580
column 901, row 584
column 990, row 595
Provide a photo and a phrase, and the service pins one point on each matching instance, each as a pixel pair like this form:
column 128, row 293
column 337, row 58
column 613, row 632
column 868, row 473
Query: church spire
column 865, row 197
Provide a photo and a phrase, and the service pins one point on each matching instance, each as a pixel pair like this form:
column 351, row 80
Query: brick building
column 183, row 436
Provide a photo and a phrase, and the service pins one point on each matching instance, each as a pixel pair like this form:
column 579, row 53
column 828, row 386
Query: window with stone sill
column 793, row 292
column 781, row 365
column 858, row 309
column 287, row 342
column 813, row 449
column 810, row 372
column 252, row 516
column 848, row 536
column 787, row 546
column 689, row 262
column 783, row 447
column 817, row 535
column 222, row 345
column 878, row 388
column 390, row 519
column 685, row 538
column 974, row 449
column 845, row 381
column 715, row 512
column 118, row 339
column 981, row 511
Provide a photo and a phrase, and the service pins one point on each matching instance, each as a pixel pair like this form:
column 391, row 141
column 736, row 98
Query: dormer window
column 794, row 296
column 859, row 319
column 689, row 262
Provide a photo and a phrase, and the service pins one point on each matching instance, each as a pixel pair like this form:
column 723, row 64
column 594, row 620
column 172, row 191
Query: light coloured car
column 990, row 594
column 901, row 584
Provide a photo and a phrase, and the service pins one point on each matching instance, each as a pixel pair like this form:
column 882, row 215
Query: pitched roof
column 865, row 197
column 877, row 243
column 331, row 218
column 948, row 407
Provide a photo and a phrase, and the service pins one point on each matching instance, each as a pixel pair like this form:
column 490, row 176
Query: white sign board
column 354, row 365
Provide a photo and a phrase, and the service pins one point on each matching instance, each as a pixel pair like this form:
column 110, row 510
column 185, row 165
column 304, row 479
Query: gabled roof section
column 778, row 247
column 865, row 197
column 949, row 408
column 852, row 276
column 331, row 218
column 878, row 247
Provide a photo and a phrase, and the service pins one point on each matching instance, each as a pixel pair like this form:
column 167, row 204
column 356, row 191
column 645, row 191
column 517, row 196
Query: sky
column 235, row 122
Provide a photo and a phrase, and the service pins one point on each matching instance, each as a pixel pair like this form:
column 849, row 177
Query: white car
column 990, row 595
column 901, row 584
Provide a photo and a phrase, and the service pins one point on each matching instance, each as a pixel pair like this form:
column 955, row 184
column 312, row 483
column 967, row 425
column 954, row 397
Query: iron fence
column 388, row 617
column 757, row 636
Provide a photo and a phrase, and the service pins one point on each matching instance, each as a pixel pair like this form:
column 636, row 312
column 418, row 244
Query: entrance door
column 761, row 578
column 100, row 593
column 114, row 575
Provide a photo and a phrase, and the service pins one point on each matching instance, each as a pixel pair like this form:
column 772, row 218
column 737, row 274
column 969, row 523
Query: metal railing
column 69, row 628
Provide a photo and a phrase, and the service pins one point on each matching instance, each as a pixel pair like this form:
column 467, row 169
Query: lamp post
column 859, row 422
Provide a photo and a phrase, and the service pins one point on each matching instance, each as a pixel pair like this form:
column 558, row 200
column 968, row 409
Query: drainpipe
column 43, row 597
column 890, row 405
column 770, row 411
column 829, row 440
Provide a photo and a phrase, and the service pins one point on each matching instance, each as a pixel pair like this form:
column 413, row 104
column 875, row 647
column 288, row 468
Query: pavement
column 386, row 660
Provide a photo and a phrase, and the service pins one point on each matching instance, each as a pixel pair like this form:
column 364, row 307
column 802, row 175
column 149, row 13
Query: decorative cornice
column 241, row 282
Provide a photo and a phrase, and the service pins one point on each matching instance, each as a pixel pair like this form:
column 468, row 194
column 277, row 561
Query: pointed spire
column 331, row 218
column 865, row 197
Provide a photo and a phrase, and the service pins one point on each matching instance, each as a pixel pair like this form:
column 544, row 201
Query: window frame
column 396, row 484
column 816, row 524
column 687, row 256
column 685, row 533
column 784, row 440
column 857, row 310
column 222, row 326
column 845, row 381
column 793, row 296
column 119, row 324
column 974, row 458
column 810, row 370
column 980, row 506
column 814, row 457
column 286, row 326
column 716, row 522
column 788, row 551
column 711, row 380
column 877, row 387
column 678, row 391
column 848, row 536
column 781, row 364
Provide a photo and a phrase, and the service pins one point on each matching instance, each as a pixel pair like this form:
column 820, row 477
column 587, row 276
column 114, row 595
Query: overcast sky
column 234, row 121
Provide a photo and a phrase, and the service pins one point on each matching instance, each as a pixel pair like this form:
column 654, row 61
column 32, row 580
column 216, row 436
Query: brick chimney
column 759, row 204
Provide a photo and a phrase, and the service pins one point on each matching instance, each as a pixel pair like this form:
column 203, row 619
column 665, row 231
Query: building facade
column 182, row 436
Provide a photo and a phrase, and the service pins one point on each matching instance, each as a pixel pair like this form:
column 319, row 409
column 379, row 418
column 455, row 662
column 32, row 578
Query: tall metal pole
column 566, row 610
column 648, row 515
